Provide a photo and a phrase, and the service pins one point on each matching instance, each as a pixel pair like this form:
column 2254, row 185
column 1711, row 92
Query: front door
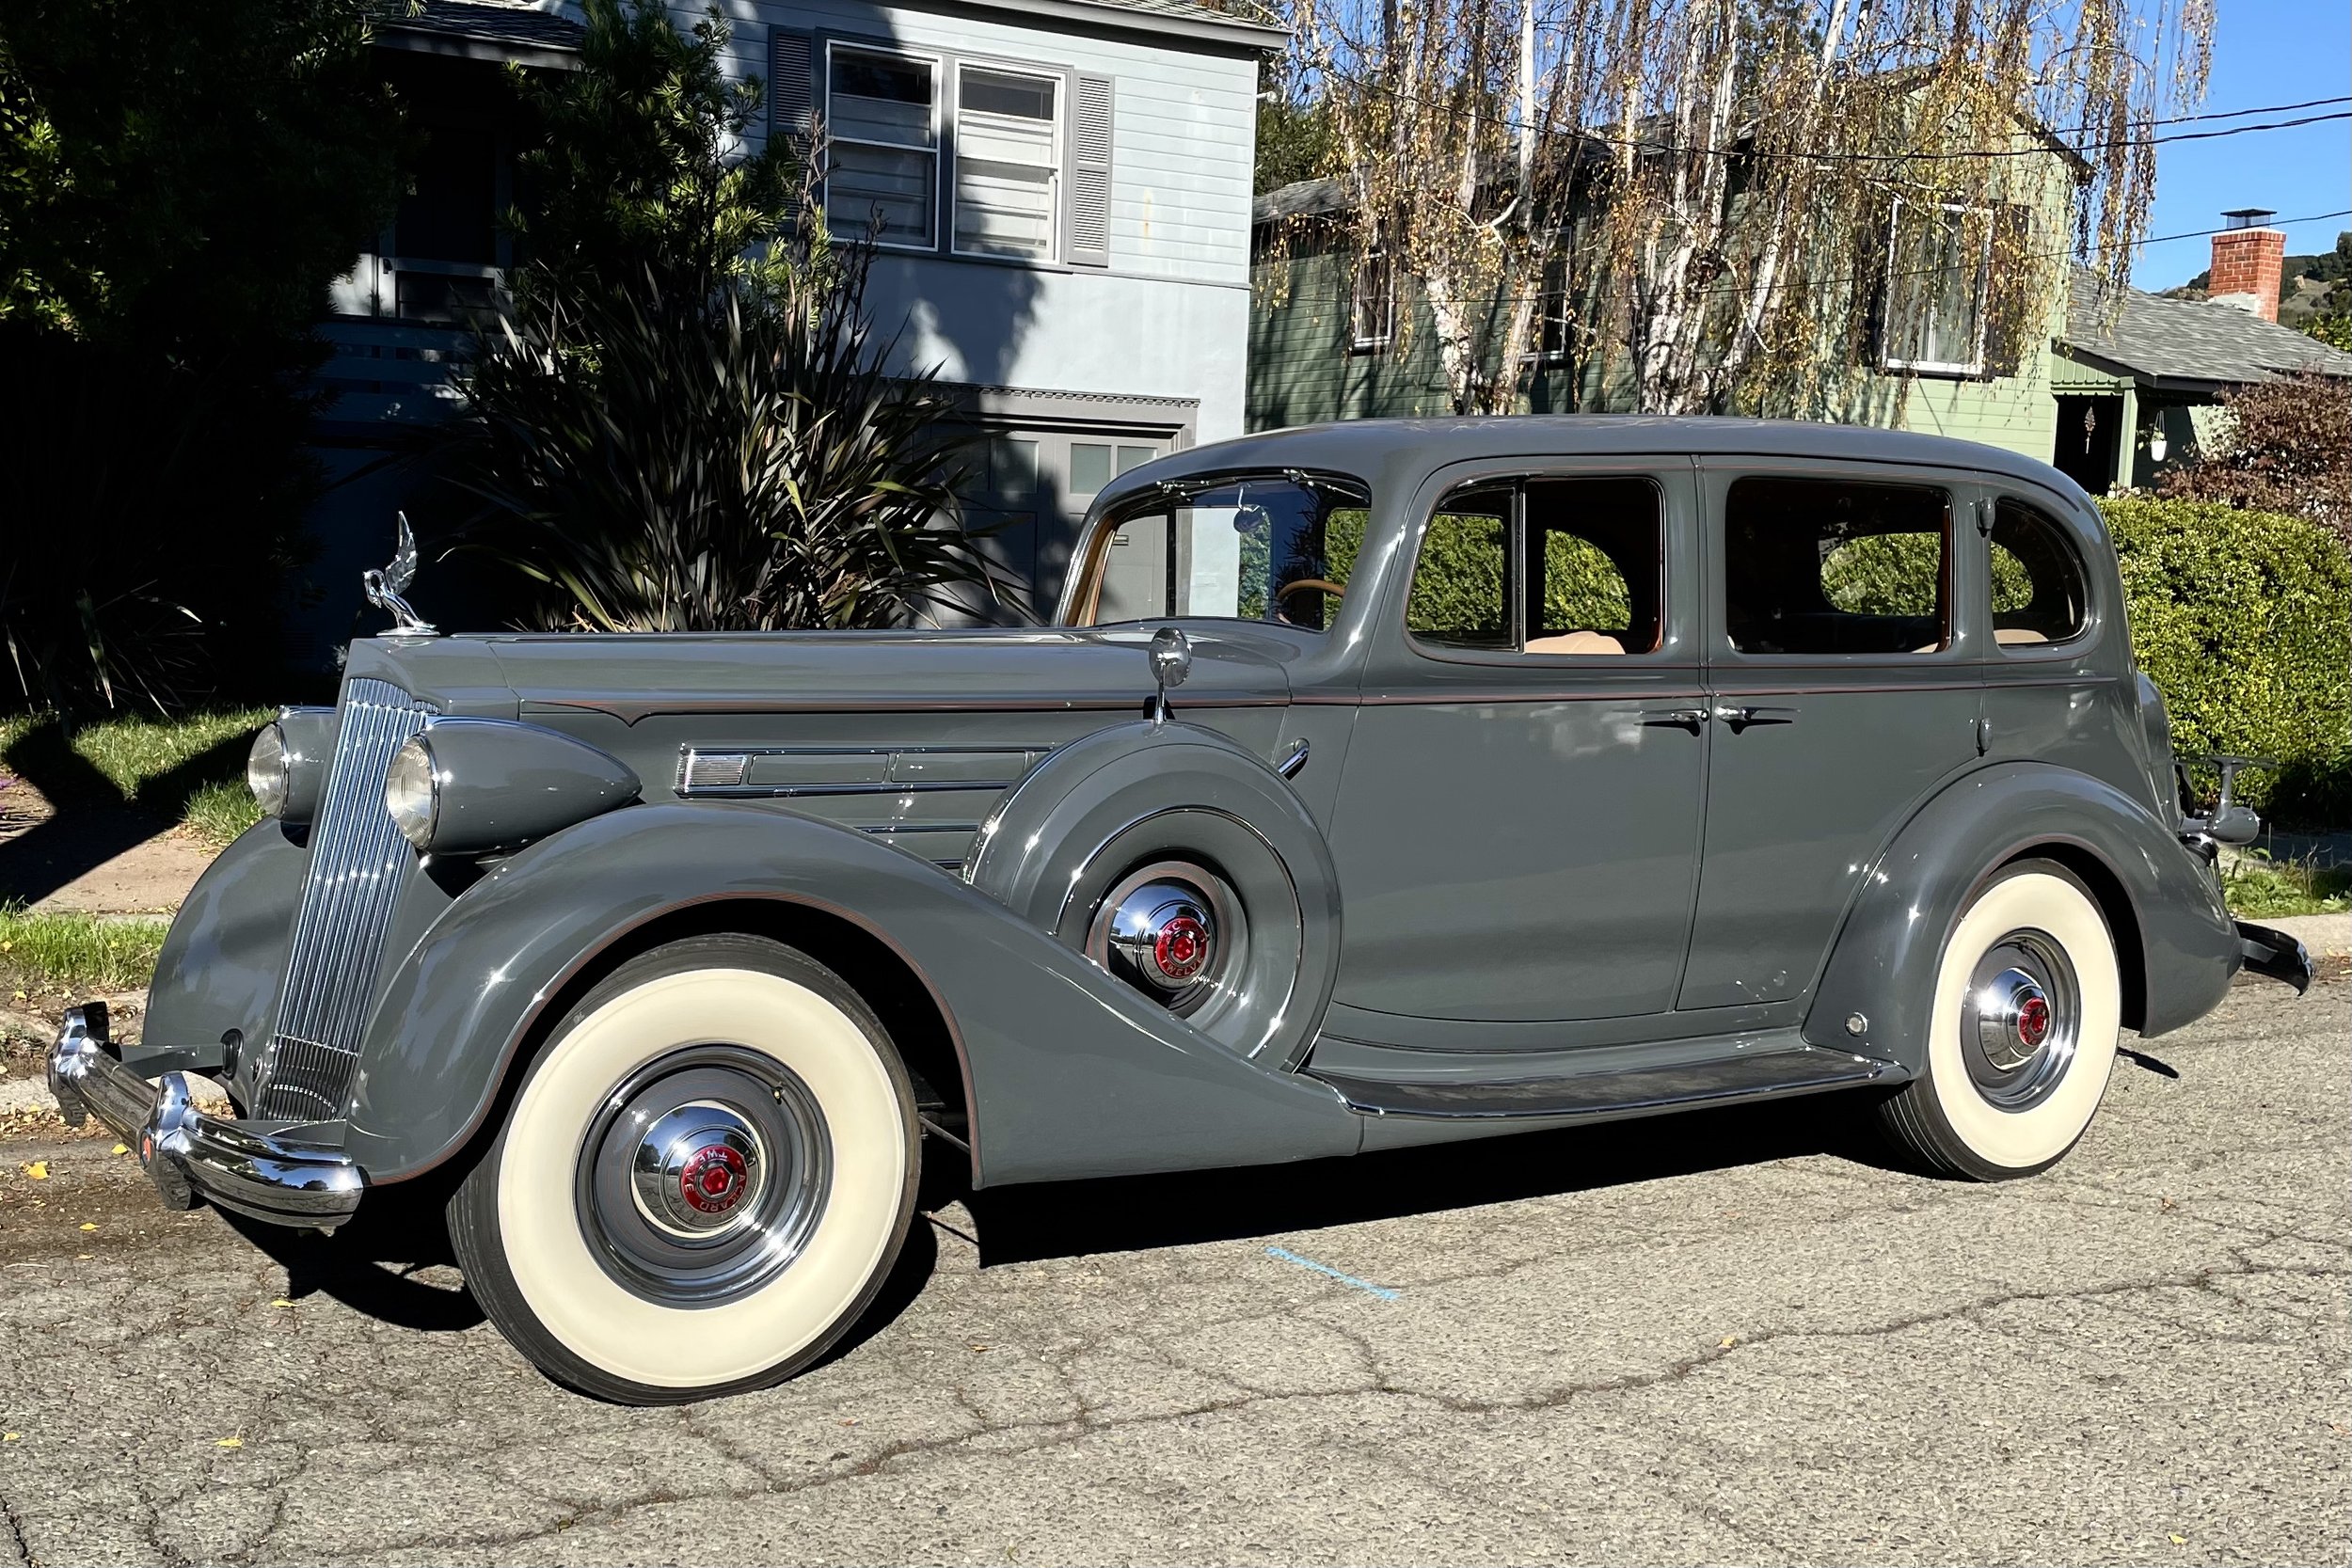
column 1518, row 830
column 1844, row 692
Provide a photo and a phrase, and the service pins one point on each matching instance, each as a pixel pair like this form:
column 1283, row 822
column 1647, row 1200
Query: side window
column 2038, row 589
column 1601, row 543
column 1836, row 567
column 1460, row 597
column 1543, row 566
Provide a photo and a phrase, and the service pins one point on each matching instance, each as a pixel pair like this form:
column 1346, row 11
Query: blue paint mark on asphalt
column 1287, row 1256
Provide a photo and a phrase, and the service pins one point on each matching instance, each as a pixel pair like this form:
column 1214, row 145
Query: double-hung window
column 1372, row 306
column 882, row 129
column 1939, row 269
column 1008, row 163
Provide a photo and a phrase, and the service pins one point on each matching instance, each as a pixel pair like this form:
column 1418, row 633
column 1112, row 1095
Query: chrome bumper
column 191, row 1155
column 2275, row 954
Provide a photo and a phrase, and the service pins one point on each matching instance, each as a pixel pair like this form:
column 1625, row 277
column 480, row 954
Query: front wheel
column 702, row 1182
column 2027, row 1005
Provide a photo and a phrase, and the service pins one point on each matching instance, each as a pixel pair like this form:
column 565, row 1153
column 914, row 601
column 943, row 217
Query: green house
column 1333, row 337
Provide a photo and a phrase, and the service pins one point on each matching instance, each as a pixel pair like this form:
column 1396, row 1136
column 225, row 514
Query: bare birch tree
column 1722, row 182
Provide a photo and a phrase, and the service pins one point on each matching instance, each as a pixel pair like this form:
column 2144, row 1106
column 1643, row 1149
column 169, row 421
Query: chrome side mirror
column 1171, row 652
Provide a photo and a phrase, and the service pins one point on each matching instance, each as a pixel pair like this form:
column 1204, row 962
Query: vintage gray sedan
column 1377, row 784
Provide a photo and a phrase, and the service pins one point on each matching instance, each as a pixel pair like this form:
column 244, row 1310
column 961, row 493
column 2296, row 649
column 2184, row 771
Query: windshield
column 1271, row 548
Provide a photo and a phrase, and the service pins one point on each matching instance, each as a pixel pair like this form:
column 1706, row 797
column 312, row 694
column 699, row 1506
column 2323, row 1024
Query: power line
column 1471, row 111
column 1806, row 287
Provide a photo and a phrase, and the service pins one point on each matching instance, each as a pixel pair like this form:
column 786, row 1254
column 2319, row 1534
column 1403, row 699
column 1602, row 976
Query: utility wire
column 1809, row 286
column 2037, row 150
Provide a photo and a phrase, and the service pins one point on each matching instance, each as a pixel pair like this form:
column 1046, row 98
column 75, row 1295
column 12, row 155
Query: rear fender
column 1071, row 1074
column 2173, row 935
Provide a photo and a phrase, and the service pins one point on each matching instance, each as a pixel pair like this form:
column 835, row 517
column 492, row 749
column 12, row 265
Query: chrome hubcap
column 1172, row 930
column 2021, row 1021
column 704, row 1175
column 694, row 1167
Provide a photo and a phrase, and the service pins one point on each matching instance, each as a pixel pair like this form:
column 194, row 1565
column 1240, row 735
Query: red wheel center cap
column 711, row 1181
column 2033, row 1020
column 1181, row 948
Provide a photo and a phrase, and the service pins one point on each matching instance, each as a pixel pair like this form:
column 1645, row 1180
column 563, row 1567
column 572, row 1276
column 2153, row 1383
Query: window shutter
column 1091, row 174
column 790, row 85
column 2007, row 335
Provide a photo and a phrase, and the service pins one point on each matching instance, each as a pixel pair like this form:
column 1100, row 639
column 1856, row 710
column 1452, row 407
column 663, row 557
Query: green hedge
column 2244, row 621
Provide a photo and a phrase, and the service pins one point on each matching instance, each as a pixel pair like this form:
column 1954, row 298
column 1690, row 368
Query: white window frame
column 1379, row 265
column 1552, row 304
column 1982, row 293
column 1057, row 167
column 938, row 70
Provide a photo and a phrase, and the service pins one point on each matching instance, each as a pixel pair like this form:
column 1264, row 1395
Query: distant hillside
column 2310, row 286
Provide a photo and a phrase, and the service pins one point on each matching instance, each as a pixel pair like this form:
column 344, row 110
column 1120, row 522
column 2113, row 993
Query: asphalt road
column 1727, row 1337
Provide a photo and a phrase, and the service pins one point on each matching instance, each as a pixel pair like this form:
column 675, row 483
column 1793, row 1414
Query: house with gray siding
column 1059, row 193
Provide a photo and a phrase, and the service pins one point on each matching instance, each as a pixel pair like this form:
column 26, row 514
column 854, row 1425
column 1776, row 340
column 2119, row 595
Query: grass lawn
column 2261, row 888
column 44, row 954
column 187, row 770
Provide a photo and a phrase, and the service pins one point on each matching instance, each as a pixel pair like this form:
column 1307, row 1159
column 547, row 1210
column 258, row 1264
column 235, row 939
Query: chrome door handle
column 1680, row 717
column 1739, row 718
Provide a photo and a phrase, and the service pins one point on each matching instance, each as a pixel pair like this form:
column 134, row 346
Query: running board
column 1755, row 1076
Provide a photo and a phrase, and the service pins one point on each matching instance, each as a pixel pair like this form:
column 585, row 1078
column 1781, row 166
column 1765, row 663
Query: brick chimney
column 2248, row 259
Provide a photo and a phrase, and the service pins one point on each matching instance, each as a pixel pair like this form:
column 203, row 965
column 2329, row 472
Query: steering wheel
column 1300, row 585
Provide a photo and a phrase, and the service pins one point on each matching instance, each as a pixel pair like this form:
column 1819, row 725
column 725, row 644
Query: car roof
column 1391, row 452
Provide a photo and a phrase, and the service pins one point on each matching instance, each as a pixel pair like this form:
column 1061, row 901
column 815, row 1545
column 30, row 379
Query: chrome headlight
column 412, row 792
column 474, row 785
column 266, row 770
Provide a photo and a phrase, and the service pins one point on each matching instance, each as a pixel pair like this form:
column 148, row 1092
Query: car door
column 1518, row 830
column 1844, row 680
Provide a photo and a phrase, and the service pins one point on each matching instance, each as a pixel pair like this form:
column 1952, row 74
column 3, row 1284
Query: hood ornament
column 384, row 589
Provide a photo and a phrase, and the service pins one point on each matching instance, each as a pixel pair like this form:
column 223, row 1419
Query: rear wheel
column 702, row 1182
column 2022, row 1033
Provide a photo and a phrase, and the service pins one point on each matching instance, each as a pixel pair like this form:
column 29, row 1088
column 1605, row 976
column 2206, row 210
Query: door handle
column 1679, row 718
column 1739, row 718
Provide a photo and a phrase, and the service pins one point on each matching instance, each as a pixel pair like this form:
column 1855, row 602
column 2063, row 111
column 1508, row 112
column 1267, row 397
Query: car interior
column 1835, row 566
column 1586, row 576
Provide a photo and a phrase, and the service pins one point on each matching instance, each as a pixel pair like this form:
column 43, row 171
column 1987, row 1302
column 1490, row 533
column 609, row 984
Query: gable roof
column 2188, row 344
column 482, row 31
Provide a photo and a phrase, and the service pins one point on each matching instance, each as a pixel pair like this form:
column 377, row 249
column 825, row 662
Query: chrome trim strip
column 191, row 1155
column 740, row 761
column 358, row 865
column 741, row 792
column 1755, row 1075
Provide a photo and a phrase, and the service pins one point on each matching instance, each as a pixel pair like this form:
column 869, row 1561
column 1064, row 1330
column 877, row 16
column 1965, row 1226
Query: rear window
column 1836, row 567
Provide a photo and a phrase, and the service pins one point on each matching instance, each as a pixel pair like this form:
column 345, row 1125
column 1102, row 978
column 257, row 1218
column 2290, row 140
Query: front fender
column 225, row 957
column 1884, row 966
column 1072, row 1074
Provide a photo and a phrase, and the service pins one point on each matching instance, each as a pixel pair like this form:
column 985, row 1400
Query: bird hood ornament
column 384, row 588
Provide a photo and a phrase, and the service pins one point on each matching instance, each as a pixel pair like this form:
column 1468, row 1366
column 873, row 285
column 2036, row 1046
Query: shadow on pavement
column 374, row 1264
column 1128, row 1213
column 91, row 822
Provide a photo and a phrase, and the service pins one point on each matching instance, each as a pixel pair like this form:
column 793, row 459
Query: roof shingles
column 2180, row 341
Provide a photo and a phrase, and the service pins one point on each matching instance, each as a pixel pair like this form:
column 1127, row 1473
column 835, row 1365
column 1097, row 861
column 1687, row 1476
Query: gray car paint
column 1071, row 1074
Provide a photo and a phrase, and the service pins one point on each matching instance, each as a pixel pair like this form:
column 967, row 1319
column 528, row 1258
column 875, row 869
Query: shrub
column 2286, row 447
column 672, row 436
column 2244, row 621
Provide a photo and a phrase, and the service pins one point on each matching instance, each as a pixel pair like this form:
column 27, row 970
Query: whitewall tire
column 703, row 1180
column 2021, row 1032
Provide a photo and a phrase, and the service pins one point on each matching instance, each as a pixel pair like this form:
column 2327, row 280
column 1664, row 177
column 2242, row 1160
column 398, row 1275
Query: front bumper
column 191, row 1155
column 2275, row 954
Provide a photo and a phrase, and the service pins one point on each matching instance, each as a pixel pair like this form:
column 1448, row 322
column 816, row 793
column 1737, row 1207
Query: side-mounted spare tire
column 1187, row 868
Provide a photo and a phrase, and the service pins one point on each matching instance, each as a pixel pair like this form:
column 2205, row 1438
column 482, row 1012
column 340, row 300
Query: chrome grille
column 359, row 864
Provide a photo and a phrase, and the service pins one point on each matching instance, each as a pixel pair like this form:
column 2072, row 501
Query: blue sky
column 2264, row 52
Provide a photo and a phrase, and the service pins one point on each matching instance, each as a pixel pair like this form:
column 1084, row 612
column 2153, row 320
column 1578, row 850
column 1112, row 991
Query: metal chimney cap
column 2250, row 218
